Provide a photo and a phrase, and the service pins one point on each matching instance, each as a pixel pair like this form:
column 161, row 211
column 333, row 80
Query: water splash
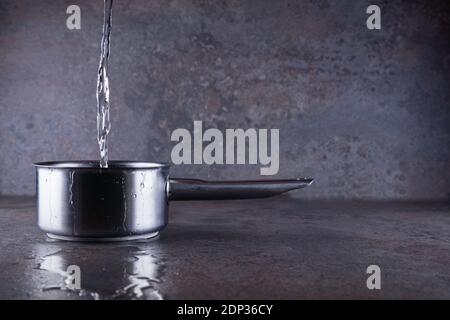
column 103, row 121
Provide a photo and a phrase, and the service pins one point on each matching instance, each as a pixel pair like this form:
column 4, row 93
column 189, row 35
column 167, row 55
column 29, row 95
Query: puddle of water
column 106, row 274
column 142, row 276
column 55, row 263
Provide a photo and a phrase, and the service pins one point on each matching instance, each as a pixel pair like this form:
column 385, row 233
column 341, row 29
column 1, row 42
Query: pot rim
column 95, row 164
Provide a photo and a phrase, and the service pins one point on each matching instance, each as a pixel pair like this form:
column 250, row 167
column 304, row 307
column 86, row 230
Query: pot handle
column 193, row 189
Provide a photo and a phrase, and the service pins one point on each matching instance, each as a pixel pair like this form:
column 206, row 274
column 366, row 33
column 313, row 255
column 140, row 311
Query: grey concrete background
column 364, row 112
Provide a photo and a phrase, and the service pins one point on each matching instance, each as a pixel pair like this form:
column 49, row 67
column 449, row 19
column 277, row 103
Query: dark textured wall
column 364, row 112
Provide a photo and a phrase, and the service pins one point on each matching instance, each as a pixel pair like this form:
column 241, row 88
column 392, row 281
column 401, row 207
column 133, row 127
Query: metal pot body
column 80, row 201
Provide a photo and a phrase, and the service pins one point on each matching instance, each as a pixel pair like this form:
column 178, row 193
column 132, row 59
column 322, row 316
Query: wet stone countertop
column 281, row 248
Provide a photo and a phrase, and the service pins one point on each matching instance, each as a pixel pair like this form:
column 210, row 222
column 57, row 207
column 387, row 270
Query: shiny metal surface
column 79, row 201
column 145, row 236
column 84, row 201
column 194, row 189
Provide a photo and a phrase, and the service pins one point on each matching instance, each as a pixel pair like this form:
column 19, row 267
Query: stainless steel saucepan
column 80, row 201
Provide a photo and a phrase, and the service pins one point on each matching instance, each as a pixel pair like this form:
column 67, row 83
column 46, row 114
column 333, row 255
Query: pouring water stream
column 103, row 121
